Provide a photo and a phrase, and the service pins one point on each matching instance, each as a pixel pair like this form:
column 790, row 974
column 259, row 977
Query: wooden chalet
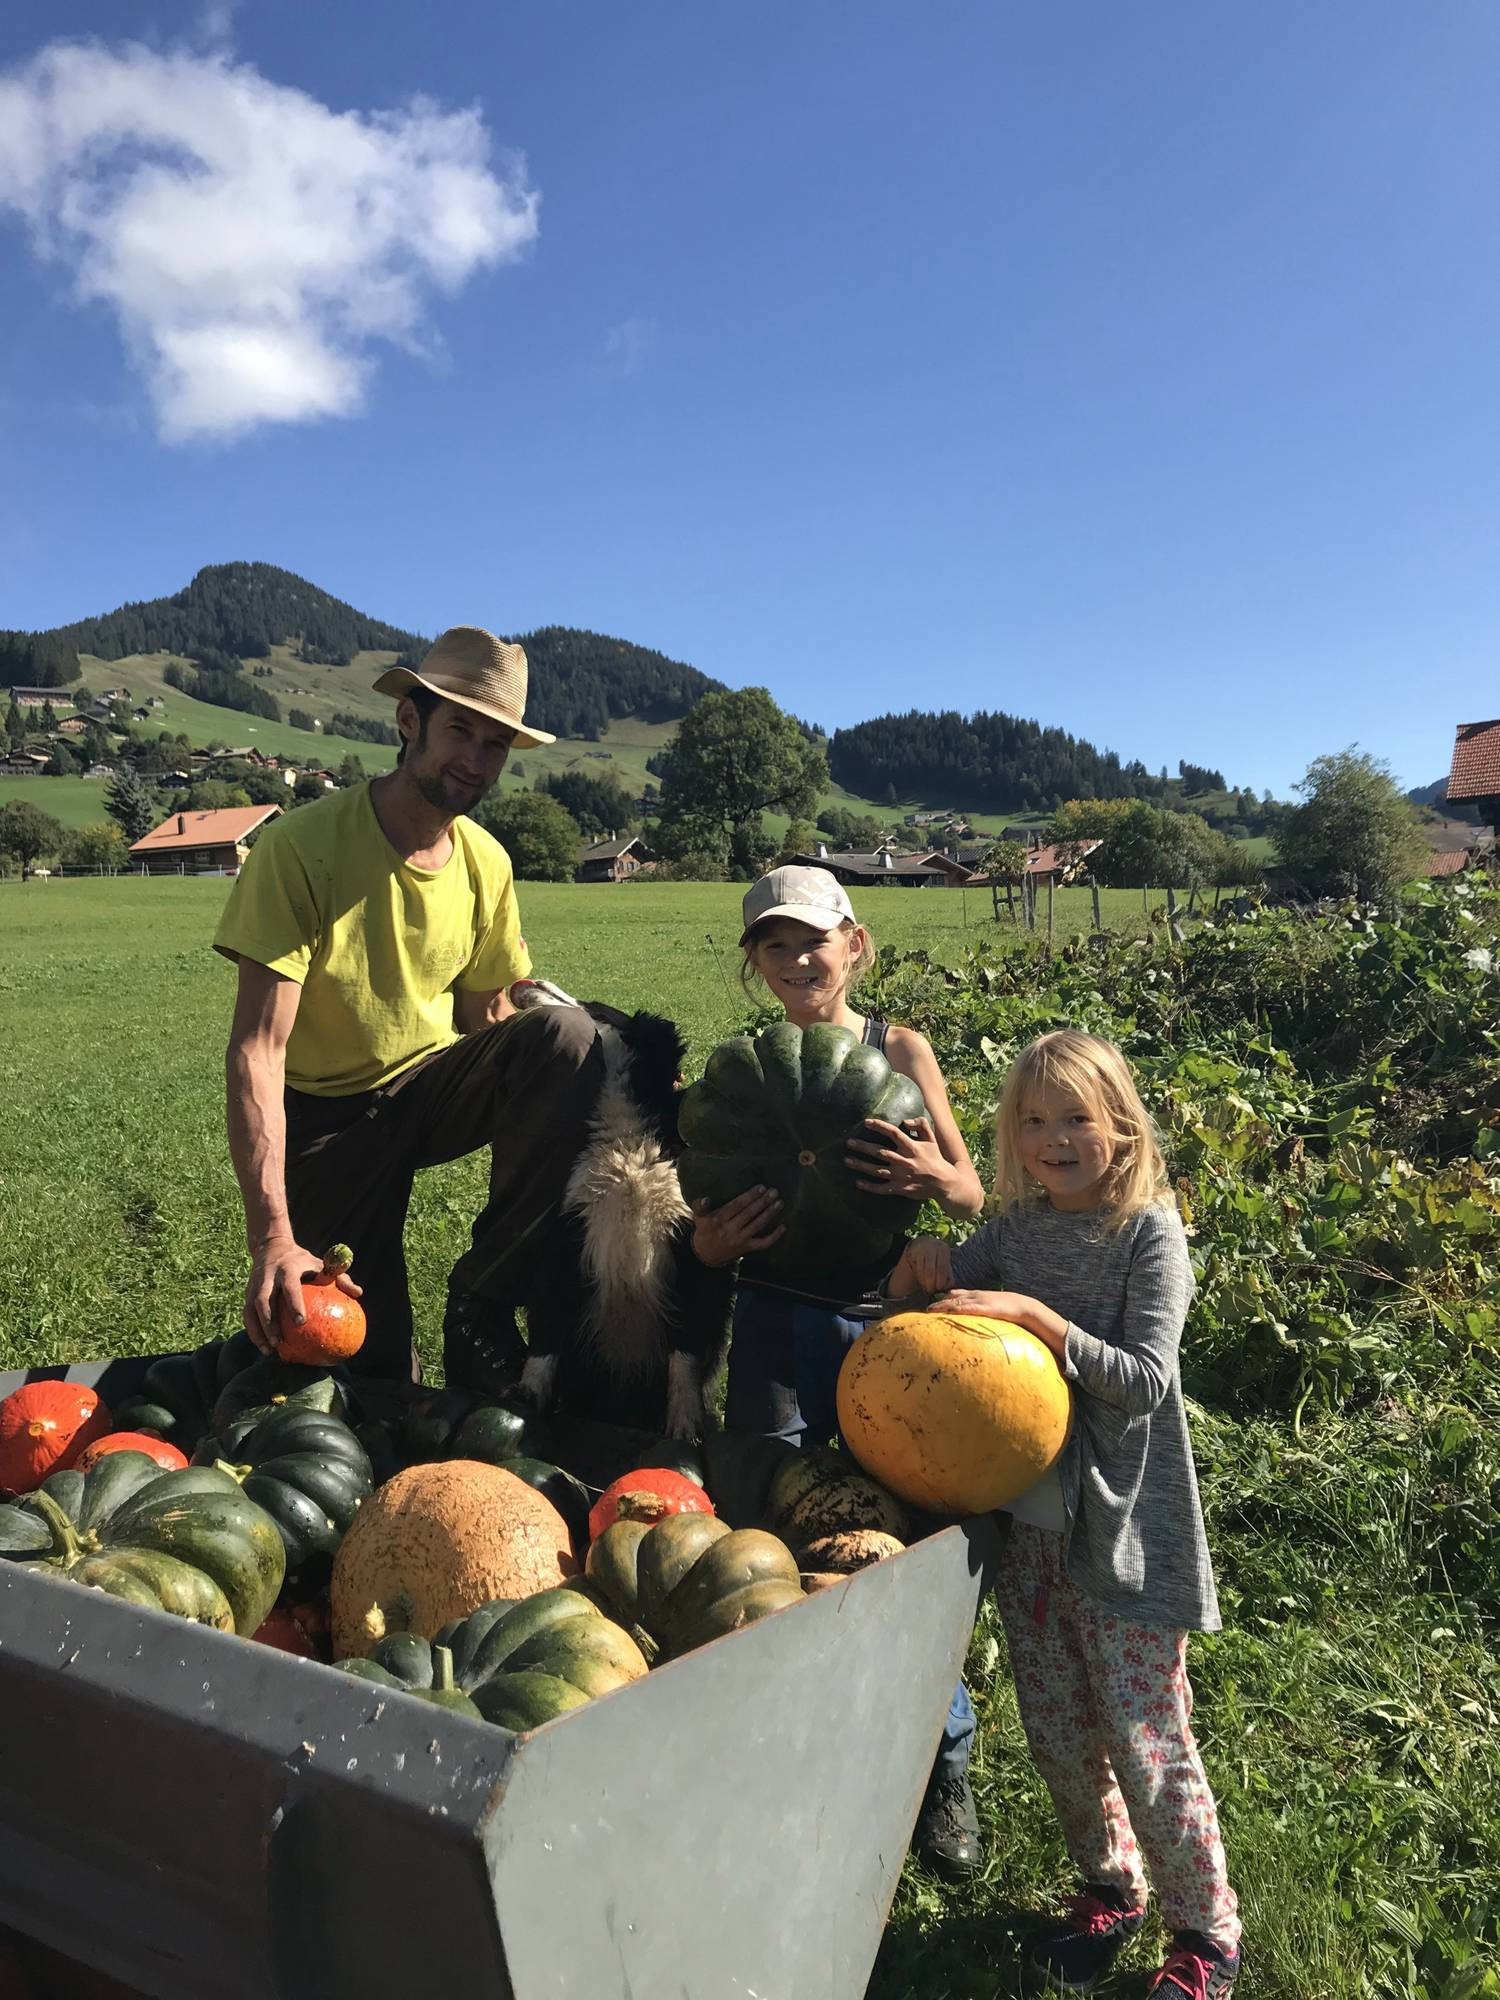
column 201, row 843
column 614, row 859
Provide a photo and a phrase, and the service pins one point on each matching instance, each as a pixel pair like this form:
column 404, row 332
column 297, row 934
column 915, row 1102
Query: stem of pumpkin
column 66, row 1546
column 239, row 1473
column 337, row 1260
column 442, row 1659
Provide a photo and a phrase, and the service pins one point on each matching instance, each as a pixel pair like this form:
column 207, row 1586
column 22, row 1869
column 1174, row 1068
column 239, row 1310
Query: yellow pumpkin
column 957, row 1415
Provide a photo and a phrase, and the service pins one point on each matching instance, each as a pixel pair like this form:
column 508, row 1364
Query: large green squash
column 689, row 1579
column 308, row 1471
column 779, row 1111
column 271, row 1384
column 189, row 1542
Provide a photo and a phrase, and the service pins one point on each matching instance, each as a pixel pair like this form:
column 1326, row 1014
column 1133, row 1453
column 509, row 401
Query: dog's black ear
column 605, row 1015
column 657, row 1052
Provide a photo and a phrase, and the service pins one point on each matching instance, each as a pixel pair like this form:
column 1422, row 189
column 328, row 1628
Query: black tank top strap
column 875, row 1032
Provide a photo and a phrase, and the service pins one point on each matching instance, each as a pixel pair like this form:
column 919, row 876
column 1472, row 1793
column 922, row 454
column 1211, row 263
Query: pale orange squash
column 956, row 1415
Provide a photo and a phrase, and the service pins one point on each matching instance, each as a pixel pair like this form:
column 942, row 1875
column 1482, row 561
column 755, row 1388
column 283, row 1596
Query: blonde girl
column 802, row 940
column 1107, row 1569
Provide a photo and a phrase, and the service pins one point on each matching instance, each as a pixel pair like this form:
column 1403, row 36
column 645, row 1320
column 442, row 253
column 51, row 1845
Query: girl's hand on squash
column 1049, row 1327
column 900, row 1159
column 926, row 1265
column 277, row 1271
column 752, row 1221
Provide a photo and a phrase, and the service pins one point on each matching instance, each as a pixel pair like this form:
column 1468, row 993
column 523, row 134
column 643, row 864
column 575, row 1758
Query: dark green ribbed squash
column 779, row 1110
column 269, row 1384
column 309, row 1471
column 408, row 1664
column 689, row 1579
column 189, row 1542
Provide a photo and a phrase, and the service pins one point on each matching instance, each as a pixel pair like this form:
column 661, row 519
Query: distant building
column 41, row 697
column 883, row 868
column 1475, row 774
column 200, row 843
column 613, row 860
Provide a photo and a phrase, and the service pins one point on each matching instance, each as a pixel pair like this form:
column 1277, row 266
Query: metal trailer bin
column 201, row 1818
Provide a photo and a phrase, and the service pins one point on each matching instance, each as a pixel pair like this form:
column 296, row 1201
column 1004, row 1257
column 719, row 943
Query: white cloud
column 626, row 347
column 252, row 241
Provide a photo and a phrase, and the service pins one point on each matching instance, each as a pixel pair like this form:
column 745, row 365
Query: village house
column 22, row 764
column 1057, row 865
column 41, row 697
column 1474, row 778
column 73, row 725
column 884, row 868
column 614, row 859
column 201, row 843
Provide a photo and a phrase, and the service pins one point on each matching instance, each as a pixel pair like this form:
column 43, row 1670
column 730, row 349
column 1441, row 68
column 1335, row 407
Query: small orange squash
column 43, row 1428
column 333, row 1325
column 955, row 1414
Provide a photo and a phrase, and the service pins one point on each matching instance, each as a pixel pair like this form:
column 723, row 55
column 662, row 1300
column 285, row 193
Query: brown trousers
column 525, row 1088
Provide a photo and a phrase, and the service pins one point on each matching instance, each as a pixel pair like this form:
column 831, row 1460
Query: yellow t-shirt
column 376, row 945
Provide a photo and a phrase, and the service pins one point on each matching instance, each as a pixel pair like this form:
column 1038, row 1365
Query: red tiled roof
column 204, row 829
column 1447, row 861
column 1476, row 761
column 1044, row 860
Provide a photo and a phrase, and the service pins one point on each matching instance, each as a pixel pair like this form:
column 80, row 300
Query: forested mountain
column 579, row 680
column 242, row 609
column 1435, row 795
column 992, row 761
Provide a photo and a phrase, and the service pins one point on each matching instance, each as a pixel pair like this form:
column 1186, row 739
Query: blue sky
column 1133, row 367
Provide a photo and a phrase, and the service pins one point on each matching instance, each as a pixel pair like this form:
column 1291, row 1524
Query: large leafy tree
column 131, row 806
column 27, row 833
column 736, row 756
column 540, row 836
column 101, row 845
column 1353, row 833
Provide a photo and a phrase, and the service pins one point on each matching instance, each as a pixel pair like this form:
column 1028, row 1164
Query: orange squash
column 43, row 1428
column 955, row 1414
column 167, row 1456
column 333, row 1324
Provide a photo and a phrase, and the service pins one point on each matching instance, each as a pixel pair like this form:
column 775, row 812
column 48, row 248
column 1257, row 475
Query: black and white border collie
column 624, row 1324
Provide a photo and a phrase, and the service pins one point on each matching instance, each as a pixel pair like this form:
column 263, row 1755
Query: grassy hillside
column 72, row 802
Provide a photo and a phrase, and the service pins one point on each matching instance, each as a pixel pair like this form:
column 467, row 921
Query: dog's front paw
column 537, row 1388
column 686, row 1416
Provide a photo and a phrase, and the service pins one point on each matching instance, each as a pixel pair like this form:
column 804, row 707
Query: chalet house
column 1445, row 861
column 1059, row 864
column 74, row 725
column 883, row 869
column 201, row 843
column 22, row 764
column 1475, row 775
column 613, row 860
column 40, row 697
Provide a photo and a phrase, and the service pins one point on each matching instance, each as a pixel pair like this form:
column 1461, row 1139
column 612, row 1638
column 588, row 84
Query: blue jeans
column 783, row 1377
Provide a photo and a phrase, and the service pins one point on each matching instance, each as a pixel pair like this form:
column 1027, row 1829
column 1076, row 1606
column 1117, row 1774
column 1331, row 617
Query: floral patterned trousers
column 1107, row 1711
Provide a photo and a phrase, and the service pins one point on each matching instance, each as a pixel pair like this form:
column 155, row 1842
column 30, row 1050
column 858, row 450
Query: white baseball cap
column 808, row 895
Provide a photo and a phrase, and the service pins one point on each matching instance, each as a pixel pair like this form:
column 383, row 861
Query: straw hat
column 471, row 666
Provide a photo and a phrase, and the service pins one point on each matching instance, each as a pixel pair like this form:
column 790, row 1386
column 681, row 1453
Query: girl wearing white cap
column 801, row 938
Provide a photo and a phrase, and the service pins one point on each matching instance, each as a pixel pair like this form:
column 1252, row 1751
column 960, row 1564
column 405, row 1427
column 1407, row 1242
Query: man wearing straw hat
column 376, row 932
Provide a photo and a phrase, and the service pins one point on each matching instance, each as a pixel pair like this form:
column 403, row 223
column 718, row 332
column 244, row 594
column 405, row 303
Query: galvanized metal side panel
column 732, row 1827
column 209, row 1819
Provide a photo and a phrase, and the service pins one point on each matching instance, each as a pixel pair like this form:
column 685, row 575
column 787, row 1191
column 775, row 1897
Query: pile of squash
column 439, row 1552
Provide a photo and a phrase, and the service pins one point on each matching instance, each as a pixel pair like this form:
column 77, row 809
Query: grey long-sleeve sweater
column 1134, row 1540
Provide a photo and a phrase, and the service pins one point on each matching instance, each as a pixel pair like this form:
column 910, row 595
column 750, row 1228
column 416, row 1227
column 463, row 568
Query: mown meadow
column 1330, row 1092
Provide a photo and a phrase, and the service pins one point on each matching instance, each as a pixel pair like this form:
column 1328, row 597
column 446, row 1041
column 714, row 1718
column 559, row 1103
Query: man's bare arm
column 473, row 1012
column 255, row 1069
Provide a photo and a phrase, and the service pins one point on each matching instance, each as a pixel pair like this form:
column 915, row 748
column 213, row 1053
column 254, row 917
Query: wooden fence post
column 1094, row 891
